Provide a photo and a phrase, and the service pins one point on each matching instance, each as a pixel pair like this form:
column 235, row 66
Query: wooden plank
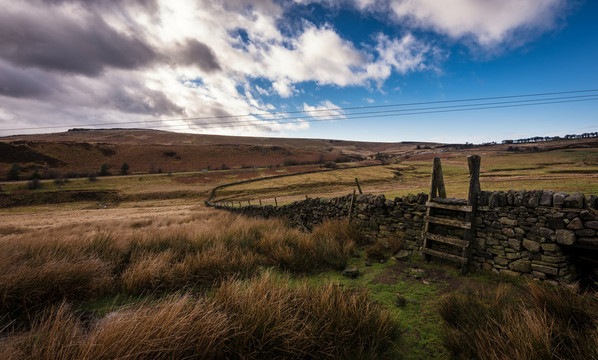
column 456, row 258
column 447, row 240
column 449, row 222
column 464, row 208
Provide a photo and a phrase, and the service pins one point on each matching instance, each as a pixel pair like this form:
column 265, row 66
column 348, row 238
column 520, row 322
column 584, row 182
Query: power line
column 360, row 115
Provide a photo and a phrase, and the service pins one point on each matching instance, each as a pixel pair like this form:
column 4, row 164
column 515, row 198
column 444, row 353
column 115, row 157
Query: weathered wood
column 358, row 187
column 449, row 222
column 260, row 202
column 474, row 162
column 248, row 202
column 464, row 208
column 445, row 256
column 275, row 201
column 447, row 240
column 437, row 188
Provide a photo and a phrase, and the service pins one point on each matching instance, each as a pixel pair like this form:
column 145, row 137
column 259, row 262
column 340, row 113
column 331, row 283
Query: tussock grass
column 545, row 323
column 264, row 318
column 38, row 268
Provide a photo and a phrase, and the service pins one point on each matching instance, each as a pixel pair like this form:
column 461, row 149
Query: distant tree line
column 551, row 138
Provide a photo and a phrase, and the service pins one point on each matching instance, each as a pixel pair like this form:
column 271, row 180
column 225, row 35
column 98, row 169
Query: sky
column 384, row 71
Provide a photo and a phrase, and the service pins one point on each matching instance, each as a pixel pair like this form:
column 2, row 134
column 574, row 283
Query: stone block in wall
column 575, row 201
column 585, row 232
column 593, row 241
column 483, row 197
column 507, row 221
column 546, row 198
column 518, row 198
column 545, row 268
column 542, row 231
column 534, row 198
column 591, row 225
column 522, row 266
column 508, row 232
column 530, row 245
column 558, row 200
column 501, row 261
column 565, row 237
column 509, row 273
column 513, row 255
column 554, row 259
column 514, row 244
column 588, row 215
column 555, row 224
column 575, row 224
column 592, row 202
column 550, row 247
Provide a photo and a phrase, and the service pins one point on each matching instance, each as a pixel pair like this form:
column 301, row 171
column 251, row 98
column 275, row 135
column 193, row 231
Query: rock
column 522, row 266
column 592, row 225
column 507, row 221
column 558, row 200
column 575, row 201
column 351, row 272
column 501, row 261
column 550, row 247
column 575, row 224
column 585, row 232
column 487, row 266
column 508, row 232
column 565, row 237
column 588, row 215
column 534, row 199
column 555, row 224
column 546, row 198
column 514, row 243
column 545, row 269
column 531, row 245
column 402, row 255
column 509, row 273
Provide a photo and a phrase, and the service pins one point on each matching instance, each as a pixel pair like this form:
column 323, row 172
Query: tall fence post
column 260, row 202
column 437, row 188
column 275, row 201
column 358, row 187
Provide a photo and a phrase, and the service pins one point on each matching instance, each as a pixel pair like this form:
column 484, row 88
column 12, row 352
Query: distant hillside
column 84, row 151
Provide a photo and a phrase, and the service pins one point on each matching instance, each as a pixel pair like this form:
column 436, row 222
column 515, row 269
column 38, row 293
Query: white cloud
column 325, row 111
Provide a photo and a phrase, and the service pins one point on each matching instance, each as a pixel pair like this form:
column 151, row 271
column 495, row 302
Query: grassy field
column 570, row 170
column 88, row 280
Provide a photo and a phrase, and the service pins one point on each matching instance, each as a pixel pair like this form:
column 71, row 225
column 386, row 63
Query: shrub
column 13, row 172
column 34, row 184
column 104, row 170
column 124, row 169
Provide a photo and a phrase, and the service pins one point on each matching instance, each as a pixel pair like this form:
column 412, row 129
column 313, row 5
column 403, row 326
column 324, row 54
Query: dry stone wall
column 528, row 233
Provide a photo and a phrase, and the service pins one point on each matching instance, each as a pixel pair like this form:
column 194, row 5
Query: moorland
column 146, row 270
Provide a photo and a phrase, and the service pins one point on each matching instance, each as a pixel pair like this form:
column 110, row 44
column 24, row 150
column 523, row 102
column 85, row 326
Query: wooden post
column 260, row 202
column 240, row 204
column 474, row 162
column 248, row 202
column 351, row 206
column 358, row 187
column 275, row 201
column 306, row 197
column 437, row 188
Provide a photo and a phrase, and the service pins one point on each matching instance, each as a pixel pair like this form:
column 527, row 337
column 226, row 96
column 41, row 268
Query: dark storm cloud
column 197, row 53
column 20, row 83
column 53, row 41
column 143, row 101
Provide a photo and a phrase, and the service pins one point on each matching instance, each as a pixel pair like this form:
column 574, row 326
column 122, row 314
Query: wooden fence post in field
column 275, row 201
column 260, row 202
column 240, row 204
column 306, row 197
column 358, row 187
column 248, row 202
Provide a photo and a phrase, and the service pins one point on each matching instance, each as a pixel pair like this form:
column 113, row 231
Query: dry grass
column 495, row 323
column 259, row 319
column 190, row 253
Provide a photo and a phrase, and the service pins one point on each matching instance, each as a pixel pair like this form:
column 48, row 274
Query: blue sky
column 180, row 65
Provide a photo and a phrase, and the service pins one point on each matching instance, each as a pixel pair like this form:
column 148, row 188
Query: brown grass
column 40, row 268
column 546, row 323
column 260, row 319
